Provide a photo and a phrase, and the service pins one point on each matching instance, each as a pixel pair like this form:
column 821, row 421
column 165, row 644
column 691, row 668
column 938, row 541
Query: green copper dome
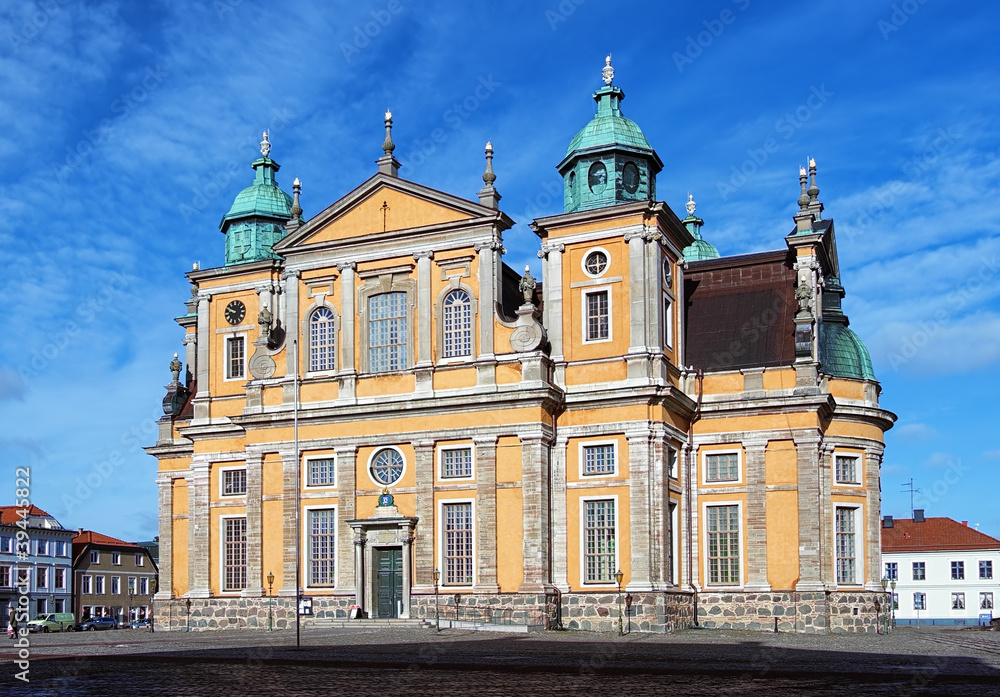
column 699, row 249
column 609, row 127
column 263, row 197
column 841, row 351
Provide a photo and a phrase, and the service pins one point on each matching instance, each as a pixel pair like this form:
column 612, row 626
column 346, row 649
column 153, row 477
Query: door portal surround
column 386, row 529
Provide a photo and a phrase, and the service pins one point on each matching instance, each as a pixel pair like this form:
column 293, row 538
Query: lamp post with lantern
column 884, row 621
column 618, row 579
column 437, row 603
column 270, row 601
column 892, row 602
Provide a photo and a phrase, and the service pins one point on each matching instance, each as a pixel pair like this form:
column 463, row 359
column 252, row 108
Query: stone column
column 255, row 483
column 535, row 513
column 165, row 488
column 810, row 511
column 424, row 367
column 827, row 570
column 636, row 359
column 407, row 541
column 639, row 456
column 423, row 561
column 552, row 295
column 293, row 333
column 486, row 514
column 348, row 321
column 653, row 293
column 488, row 285
column 190, row 358
column 756, row 517
column 359, row 563
column 560, row 549
column 659, row 514
column 289, row 524
column 203, row 397
column 200, row 553
column 873, row 522
column 688, row 519
column 347, row 456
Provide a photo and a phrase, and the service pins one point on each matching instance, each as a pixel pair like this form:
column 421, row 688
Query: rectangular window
column 387, row 332
column 919, row 571
column 985, row 601
column 60, row 605
column 919, row 601
column 131, row 585
column 958, row 601
column 668, row 322
column 457, row 324
column 5, row 577
column 235, row 357
column 458, row 543
column 234, row 482
column 143, row 586
column 116, row 585
column 722, row 467
column 86, row 584
column 116, row 559
column 60, row 579
column 671, row 465
column 892, row 571
column 599, row 459
column 140, row 559
column 598, row 325
column 322, row 471
column 60, row 549
column 846, row 467
column 6, row 545
column 43, row 548
column 846, row 561
column 456, row 462
column 599, row 541
column 98, row 585
column 958, row 571
column 322, row 547
column 723, row 524
column 42, row 577
column 985, row 569
column 235, row 554
column 95, row 557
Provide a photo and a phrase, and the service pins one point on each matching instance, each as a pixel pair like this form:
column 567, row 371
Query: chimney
column 965, row 523
column 887, row 521
column 79, row 531
column 918, row 515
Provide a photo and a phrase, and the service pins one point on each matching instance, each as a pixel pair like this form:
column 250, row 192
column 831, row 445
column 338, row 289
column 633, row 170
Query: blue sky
column 128, row 128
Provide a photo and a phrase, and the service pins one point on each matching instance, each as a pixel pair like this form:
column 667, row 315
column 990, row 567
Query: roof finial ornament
column 296, row 209
column 387, row 144
column 813, row 189
column 690, row 205
column 608, row 73
column 488, row 175
column 803, row 197
column 265, row 145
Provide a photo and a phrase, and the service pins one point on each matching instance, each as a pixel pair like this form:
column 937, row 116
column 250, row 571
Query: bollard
column 775, row 625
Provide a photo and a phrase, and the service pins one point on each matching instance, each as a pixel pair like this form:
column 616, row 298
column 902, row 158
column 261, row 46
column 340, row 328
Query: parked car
column 53, row 622
column 140, row 624
column 95, row 623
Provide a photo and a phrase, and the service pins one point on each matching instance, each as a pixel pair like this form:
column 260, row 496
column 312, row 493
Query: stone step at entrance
column 339, row 622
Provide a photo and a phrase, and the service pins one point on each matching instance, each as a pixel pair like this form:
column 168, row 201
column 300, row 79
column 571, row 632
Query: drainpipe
column 687, row 491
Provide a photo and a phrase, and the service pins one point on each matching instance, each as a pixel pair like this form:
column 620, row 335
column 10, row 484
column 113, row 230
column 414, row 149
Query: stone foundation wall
column 649, row 612
column 536, row 610
column 240, row 613
column 809, row 613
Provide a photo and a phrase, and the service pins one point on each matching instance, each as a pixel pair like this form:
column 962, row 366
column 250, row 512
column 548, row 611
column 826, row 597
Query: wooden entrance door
column 389, row 581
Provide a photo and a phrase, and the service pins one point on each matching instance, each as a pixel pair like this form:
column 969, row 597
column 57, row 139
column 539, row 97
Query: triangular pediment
column 383, row 205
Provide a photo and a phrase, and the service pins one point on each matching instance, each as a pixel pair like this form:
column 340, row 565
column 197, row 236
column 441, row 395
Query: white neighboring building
column 945, row 571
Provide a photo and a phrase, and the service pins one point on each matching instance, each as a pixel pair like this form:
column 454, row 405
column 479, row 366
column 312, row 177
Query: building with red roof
column 112, row 577
column 35, row 570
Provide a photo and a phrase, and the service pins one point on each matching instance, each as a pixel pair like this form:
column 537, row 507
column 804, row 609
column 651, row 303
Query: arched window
column 321, row 340
column 457, row 324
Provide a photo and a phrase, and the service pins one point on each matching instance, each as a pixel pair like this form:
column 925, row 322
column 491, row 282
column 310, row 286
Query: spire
column 488, row 196
column 804, row 197
column 296, row 209
column 388, row 164
column 815, row 207
column 807, row 215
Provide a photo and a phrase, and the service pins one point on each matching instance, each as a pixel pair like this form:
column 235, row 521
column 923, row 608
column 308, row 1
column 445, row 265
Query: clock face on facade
column 630, row 177
column 235, row 312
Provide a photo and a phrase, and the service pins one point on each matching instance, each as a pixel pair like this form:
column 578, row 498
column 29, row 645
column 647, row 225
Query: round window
column 387, row 466
column 630, row 177
column 595, row 263
column 597, row 179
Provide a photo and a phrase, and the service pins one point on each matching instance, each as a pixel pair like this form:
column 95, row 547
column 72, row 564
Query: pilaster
column 165, row 491
column 348, row 318
column 637, row 359
column 560, row 560
column 199, row 538
column 486, row 514
column 873, row 521
column 640, row 548
column 255, row 481
column 488, row 288
column 289, row 524
column 423, row 455
column 203, row 397
column 756, row 517
column 552, row 295
column 292, row 344
column 810, row 513
column 535, row 512
column 347, row 456
column 424, row 367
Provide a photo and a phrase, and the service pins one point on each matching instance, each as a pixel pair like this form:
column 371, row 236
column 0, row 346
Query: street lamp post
column 892, row 605
column 885, row 583
column 618, row 580
column 628, row 611
column 187, row 602
column 152, row 614
column 131, row 600
column 270, row 601
column 437, row 603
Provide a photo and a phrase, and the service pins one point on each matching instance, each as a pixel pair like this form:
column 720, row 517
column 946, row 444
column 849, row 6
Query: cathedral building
column 375, row 416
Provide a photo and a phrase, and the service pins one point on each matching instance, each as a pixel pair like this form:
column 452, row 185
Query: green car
column 53, row 622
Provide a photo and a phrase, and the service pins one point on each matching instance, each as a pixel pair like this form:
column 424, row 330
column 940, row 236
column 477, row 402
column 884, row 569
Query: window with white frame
column 386, row 466
column 958, row 601
column 95, row 557
column 919, row 601
column 235, row 357
column 598, row 458
column 668, row 322
column 116, row 585
column 958, row 571
column 5, row 581
column 846, row 545
column 143, row 585
column 131, row 584
column 140, row 559
column 846, row 469
column 234, row 554
column 986, row 601
column 671, row 465
column 722, row 467
column 98, row 585
column 723, row 528
column 116, row 559
column 322, row 340
column 457, row 324
column 59, row 578
column 892, row 571
column 60, row 550
column 985, row 569
column 42, row 577
column 599, row 541
column 24, row 576
column 43, row 548
column 234, row 482
column 86, row 584
column 919, row 571
column 457, row 548
column 456, row 463
column 322, row 546
column 598, row 315
column 6, row 544
column 387, row 332
column 321, row 471
column 595, row 263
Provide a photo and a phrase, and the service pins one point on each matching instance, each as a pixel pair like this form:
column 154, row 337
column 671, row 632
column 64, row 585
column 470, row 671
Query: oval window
column 597, row 179
column 596, row 263
column 630, row 177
